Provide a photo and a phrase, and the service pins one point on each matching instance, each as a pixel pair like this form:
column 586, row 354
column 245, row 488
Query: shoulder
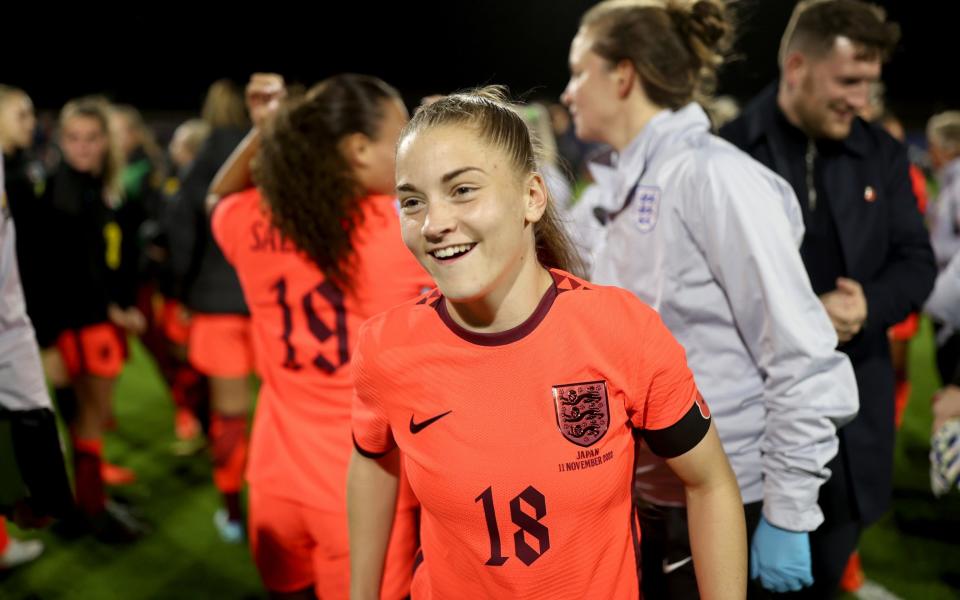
column 874, row 144
column 231, row 211
column 716, row 169
column 399, row 325
column 245, row 202
column 748, row 127
column 602, row 306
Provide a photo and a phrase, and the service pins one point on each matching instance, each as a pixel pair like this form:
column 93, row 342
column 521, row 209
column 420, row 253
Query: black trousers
column 665, row 544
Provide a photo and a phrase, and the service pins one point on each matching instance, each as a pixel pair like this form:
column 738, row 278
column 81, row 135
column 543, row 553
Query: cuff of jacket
column 785, row 513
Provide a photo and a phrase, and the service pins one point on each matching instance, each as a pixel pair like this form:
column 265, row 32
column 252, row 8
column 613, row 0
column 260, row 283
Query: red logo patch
column 583, row 413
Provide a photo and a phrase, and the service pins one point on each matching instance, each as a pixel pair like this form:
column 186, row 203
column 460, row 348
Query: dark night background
column 162, row 57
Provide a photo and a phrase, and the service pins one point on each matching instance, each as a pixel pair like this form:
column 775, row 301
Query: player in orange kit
column 317, row 254
column 516, row 390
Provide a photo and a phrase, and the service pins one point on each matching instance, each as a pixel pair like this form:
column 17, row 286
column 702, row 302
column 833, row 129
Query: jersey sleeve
column 666, row 406
column 224, row 222
column 372, row 435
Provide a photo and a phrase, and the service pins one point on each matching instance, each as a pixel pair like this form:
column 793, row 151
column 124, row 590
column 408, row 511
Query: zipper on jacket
column 811, row 158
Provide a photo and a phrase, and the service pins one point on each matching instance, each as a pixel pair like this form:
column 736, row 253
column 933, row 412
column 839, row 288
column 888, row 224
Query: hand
column 54, row 367
column 264, row 93
column 847, row 308
column 136, row 322
column 945, row 457
column 130, row 319
column 946, row 405
column 780, row 558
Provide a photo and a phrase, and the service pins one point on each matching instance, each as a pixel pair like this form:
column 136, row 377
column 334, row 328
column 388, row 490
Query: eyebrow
column 453, row 174
column 408, row 187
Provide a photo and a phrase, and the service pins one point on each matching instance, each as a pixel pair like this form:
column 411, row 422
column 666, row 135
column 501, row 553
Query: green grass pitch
column 914, row 551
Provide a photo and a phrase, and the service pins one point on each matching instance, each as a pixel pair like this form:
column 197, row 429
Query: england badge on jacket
column 648, row 207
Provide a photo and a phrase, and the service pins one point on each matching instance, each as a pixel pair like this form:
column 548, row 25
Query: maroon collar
column 499, row 338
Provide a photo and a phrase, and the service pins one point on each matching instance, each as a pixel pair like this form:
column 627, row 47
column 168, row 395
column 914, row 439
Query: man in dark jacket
column 865, row 248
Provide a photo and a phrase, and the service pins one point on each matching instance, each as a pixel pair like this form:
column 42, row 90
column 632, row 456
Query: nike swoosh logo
column 671, row 567
column 416, row 428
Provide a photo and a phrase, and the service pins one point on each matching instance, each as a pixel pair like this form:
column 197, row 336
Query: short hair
column 815, row 26
column 943, row 129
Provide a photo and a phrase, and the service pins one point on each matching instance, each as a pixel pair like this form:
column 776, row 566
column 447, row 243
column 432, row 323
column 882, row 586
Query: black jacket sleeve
column 183, row 223
column 907, row 278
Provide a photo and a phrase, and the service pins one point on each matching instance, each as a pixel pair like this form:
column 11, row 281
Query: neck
column 632, row 121
column 509, row 305
column 7, row 147
column 786, row 107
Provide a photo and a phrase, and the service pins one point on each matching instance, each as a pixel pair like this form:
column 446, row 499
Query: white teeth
column 451, row 250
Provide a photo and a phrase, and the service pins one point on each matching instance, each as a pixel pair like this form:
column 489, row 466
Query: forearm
column 371, row 502
column 718, row 538
column 809, row 391
column 813, row 399
column 235, row 174
column 718, row 535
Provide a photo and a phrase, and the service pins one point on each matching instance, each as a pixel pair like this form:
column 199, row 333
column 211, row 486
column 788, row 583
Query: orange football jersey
column 304, row 329
column 520, row 445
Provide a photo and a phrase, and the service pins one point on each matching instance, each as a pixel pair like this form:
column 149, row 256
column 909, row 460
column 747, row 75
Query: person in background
column 33, row 479
column 865, row 247
column 537, row 118
column 317, row 248
column 188, row 387
column 708, row 237
column 219, row 344
column 943, row 138
column 80, row 203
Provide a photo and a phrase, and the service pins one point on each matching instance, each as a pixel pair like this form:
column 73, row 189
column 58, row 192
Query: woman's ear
column 626, row 77
column 355, row 148
column 536, row 198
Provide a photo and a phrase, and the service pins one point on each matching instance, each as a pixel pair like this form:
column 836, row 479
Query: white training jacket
column 945, row 226
column 944, row 302
column 22, row 384
column 709, row 238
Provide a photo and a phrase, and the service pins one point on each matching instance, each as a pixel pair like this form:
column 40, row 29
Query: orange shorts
column 221, row 345
column 175, row 322
column 98, row 350
column 296, row 546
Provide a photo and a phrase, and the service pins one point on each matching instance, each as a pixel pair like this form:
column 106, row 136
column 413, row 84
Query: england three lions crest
column 583, row 413
column 648, row 207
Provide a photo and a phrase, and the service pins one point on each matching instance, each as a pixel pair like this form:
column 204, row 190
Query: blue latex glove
column 780, row 558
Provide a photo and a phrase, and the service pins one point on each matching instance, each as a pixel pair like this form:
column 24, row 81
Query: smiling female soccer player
column 514, row 391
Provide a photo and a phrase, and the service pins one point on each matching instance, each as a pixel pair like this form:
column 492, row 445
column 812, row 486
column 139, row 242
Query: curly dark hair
column 305, row 179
